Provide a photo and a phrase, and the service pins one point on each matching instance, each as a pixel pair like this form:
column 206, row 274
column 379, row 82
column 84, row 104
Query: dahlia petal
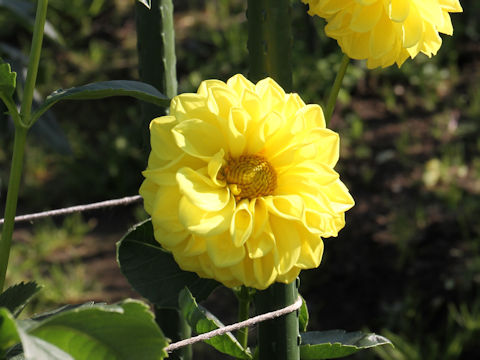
column 398, row 10
column 451, row 5
column 447, row 27
column 206, row 85
column 312, row 250
column 214, row 166
column 260, row 245
column 163, row 145
column 198, row 138
column 288, row 244
column 223, row 252
column 169, row 239
column 200, row 222
column 242, row 223
column 382, row 39
column 364, row 17
column 271, row 95
column 191, row 106
column 238, row 121
column 147, row 191
column 264, row 271
column 413, row 28
column 239, row 84
column 166, row 198
column 285, row 206
column 292, row 105
column 220, row 100
column 290, row 276
column 201, row 191
column 193, row 246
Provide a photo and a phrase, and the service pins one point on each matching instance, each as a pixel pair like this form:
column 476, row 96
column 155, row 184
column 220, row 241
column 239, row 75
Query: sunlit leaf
column 122, row 331
column 202, row 321
column 334, row 344
column 303, row 316
column 8, row 331
column 104, row 89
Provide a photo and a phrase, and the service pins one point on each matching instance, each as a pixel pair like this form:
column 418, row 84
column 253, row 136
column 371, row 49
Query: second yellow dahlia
column 385, row 32
column 240, row 183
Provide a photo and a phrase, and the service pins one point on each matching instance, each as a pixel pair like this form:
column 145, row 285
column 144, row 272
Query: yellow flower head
column 240, row 182
column 386, row 31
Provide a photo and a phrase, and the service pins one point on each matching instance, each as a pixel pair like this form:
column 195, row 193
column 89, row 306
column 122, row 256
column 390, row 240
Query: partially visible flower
column 385, row 32
column 240, row 183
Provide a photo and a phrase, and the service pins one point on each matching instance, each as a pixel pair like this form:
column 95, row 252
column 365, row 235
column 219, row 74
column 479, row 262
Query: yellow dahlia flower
column 240, row 182
column 386, row 31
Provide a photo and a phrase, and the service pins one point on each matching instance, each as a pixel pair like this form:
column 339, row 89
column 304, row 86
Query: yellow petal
column 312, row 250
column 200, row 222
column 413, row 28
column 264, row 271
column 198, row 138
column 239, row 84
column 242, row 223
column 398, row 10
column 223, row 252
column 288, row 244
column 238, row 121
column 200, row 190
column 285, row 206
column 364, row 17
column 220, row 100
column 163, row 144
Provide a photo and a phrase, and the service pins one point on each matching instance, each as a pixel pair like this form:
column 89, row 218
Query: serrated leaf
column 8, row 331
column 202, row 321
column 126, row 330
column 303, row 316
column 147, row 3
column 7, row 80
column 153, row 272
column 104, row 89
column 17, row 296
column 334, row 344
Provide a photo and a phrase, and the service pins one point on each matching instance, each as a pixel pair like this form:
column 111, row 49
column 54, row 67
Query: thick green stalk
column 21, row 129
column 156, row 52
column 270, row 41
column 12, row 197
column 269, row 45
column 157, row 67
column 175, row 328
column 33, row 61
column 279, row 338
column 332, row 98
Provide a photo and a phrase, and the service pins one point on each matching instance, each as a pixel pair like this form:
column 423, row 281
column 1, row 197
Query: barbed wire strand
column 78, row 208
column 249, row 322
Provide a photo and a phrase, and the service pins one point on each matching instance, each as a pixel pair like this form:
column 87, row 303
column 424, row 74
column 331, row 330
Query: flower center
column 250, row 176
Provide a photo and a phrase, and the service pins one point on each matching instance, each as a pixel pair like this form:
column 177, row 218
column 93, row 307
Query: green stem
column 21, row 129
column 174, row 326
column 279, row 338
column 244, row 300
column 332, row 97
column 33, row 61
column 11, row 204
column 270, row 41
column 156, row 47
column 269, row 45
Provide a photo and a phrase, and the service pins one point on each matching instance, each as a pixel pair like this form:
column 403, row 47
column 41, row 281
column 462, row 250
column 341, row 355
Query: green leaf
column 303, row 316
column 104, row 89
column 7, row 80
column 122, row 331
column 153, row 272
column 17, row 296
column 147, row 3
column 334, row 344
column 203, row 321
column 8, row 331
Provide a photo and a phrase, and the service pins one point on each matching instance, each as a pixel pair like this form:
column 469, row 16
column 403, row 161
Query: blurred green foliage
column 409, row 258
